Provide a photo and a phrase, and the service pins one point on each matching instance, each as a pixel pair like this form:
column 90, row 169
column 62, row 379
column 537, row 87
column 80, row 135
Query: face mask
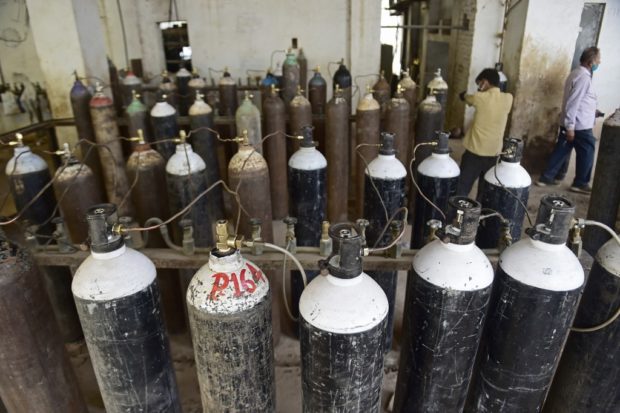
column 594, row 67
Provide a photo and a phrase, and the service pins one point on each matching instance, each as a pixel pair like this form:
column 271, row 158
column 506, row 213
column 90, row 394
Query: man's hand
column 570, row 135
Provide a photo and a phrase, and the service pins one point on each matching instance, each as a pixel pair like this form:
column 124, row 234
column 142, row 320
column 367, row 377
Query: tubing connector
column 182, row 138
column 300, row 91
column 505, row 238
column 226, row 242
column 362, row 224
column 257, row 245
column 135, row 95
column 139, row 138
column 575, row 242
column 189, row 246
column 60, row 235
column 274, row 90
column 396, row 250
column 325, row 244
column 19, row 140
column 434, row 225
column 242, row 140
column 133, row 239
column 30, row 237
column 290, row 240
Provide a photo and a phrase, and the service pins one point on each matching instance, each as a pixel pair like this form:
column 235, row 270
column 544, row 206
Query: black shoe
column 545, row 182
column 581, row 189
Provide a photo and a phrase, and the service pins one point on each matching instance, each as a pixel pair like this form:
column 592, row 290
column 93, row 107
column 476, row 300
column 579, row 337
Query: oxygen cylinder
column 186, row 179
column 605, row 198
column 337, row 147
column 317, row 96
column 137, row 118
column 265, row 86
column 185, row 97
column 147, row 169
column 343, row 318
column 28, row 174
column 428, row 122
column 588, row 373
column 80, row 104
column 36, row 373
column 397, row 115
column 342, row 79
column 165, row 126
column 300, row 115
column 248, row 169
column 111, row 156
column 303, row 69
column 290, row 77
column 439, row 88
column 228, row 95
column 367, row 126
column 317, row 92
column 247, row 118
column 534, row 299
column 438, row 177
column 409, row 88
column 275, row 152
column 307, row 172
column 503, row 80
column 205, row 145
column 131, row 84
column 446, row 303
column 229, row 306
column 196, row 84
column 169, row 88
column 381, row 92
column 76, row 190
column 384, row 194
column 507, row 176
column 117, row 296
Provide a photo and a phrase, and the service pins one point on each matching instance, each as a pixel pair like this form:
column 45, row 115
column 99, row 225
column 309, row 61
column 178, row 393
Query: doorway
column 589, row 29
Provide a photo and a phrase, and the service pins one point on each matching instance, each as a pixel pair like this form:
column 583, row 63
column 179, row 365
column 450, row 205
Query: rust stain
column 538, row 102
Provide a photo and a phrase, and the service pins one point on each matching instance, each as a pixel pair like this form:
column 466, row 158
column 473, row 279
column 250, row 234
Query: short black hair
column 588, row 56
column 490, row 75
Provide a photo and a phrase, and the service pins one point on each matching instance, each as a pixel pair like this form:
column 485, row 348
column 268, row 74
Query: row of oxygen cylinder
column 344, row 316
column 281, row 117
column 474, row 339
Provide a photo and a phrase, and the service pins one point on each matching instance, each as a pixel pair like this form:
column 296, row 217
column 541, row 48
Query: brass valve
column 299, row 90
column 326, row 243
column 225, row 242
column 199, row 95
column 135, row 95
column 274, row 89
column 19, row 140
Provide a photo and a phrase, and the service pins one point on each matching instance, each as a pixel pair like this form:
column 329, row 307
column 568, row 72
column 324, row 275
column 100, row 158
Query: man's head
column 487, row 79
column 590, row 58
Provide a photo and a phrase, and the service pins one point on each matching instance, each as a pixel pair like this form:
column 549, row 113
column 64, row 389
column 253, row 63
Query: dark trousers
column 584, row 144
column 473, row 167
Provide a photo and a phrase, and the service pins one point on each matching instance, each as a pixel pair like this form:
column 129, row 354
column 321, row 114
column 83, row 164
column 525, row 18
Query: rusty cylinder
column 397, row 118
column 36, row 372
column 300, row 115
column 317, row 95
column 80, row 104
column 367, row 128
column 337, row 142
column 106, row 133
column 409, row 89
column 169, row 88
column 247, row 118
column 427, row 124
column 290, row 77
column 147, row 168
column 381, row 92
column 137, row 118
column 76, row 191
column 228, row 95
column 275, row 152
column 248, row 170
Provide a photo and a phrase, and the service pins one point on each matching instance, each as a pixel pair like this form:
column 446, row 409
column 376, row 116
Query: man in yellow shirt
column 483, row 140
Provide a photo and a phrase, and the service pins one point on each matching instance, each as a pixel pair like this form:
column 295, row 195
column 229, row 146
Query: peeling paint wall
column 17, row 57
column 551, row 30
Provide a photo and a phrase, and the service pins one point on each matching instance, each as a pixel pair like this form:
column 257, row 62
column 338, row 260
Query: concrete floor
column 287, row 353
